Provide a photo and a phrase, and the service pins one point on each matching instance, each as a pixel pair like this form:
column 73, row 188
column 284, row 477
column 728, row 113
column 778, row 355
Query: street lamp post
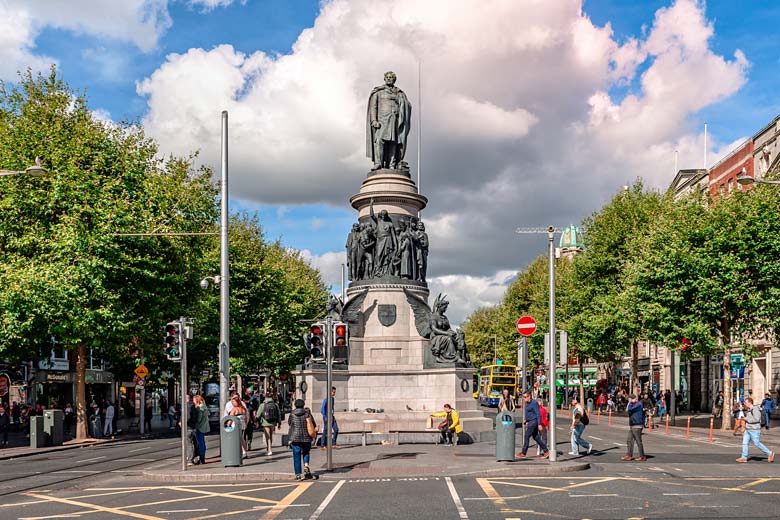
column 34, row 171
column 744, row 179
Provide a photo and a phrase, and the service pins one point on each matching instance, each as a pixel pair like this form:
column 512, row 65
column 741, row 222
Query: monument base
column 391, row 399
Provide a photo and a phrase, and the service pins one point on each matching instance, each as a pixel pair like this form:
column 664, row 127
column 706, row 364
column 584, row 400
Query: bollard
column 688, row 429
column 598, row 417
column 609, row 419
column 650, row 423
column 505, row 436
column 666, row 432
column 712, row 426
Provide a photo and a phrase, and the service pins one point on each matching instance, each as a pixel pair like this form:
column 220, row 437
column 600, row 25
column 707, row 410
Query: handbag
column 429, row 423
column 310, row 428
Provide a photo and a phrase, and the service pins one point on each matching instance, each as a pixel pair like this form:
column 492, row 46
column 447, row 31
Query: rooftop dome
column 571, row 238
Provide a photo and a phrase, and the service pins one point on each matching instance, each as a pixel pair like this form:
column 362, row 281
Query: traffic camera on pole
column 173, row 341
column 316, row 342
column 340, row 334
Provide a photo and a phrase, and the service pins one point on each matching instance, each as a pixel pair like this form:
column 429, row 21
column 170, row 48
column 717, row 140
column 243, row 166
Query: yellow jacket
column 455, row 419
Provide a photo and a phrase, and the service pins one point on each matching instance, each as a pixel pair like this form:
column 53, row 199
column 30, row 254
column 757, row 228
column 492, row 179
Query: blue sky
column 523, row 78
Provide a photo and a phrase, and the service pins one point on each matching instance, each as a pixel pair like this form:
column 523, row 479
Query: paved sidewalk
column 368, row 462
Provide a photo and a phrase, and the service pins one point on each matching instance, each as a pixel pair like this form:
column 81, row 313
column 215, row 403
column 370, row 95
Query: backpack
column 584, row 419
column 192, row 417
column 271, row 413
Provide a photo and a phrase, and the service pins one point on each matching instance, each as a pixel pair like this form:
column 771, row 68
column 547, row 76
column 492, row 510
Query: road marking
column 94, row 507
column 594, row 495
column 90, row 460
column 134, row 460
column 183, row 510
column 142, row 449
column 316, row 514
column 455, row 498
column 685, row 494
column 597, row 438
column 76, row 471
column 48, row 517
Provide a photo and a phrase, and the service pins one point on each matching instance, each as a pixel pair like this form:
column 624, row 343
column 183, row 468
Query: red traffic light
column 340, row 334
column 315, row 329
column 171, row 329
column 341, row 330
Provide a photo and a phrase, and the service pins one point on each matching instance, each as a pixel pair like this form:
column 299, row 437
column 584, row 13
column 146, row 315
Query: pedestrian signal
column 340, row 333
column 173, row 341
column 316, row 342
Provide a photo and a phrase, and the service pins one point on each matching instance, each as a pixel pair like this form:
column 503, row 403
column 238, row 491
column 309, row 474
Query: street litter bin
column 590, row 406
column 37, row 438
column 96, row 425
column 505, row 435
column 230, row 441
column 53, row 421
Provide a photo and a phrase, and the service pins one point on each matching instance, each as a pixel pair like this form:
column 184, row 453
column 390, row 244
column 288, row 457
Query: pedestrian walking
column 579, row 420
column 301, row 433
column 172, row 413
column 324, row 413
column 148, row 417
column 5, row 426
column 108, row 429
column 240, row 411
column 636, row 423
column 450, row 425
column 269, row 417
column 753, row 432
column 533, row 426
column 545, row 422
column 202, row 426
column 251, row 420
column 767, row 405
column 507, row 402
column 739, row 418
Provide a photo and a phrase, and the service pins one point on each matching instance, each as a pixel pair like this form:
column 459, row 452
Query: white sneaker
column 573, row 453
column 590, row 448
column 269, row 453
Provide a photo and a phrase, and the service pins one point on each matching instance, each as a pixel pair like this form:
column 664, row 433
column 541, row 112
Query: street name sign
column 526, row 325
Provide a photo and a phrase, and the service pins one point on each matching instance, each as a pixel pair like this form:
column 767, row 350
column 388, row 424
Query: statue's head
column 383, row 214
column 390, row 78
column 402, row 225
column 420, row 225
column 440, row 304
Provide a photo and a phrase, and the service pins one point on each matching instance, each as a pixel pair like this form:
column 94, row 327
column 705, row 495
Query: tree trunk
column 81, row 392
column 727, row 398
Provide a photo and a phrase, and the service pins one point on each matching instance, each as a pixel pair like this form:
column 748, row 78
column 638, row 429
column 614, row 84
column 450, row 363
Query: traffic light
column 316, row 342
column 173, row 341
column 340, row 334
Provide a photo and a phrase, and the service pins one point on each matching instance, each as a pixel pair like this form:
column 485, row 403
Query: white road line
column 595, row 495
column 134, row 460
column 76, row 471
column 316, row 514
column 618, row 443
column 90, row 460
column 141, row 449
column 455, row 498
column 685, row 494
column 183, row 511
column 127, row 471
column 597, row 438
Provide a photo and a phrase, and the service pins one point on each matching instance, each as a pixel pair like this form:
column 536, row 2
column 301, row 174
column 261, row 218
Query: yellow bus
column 493, row 379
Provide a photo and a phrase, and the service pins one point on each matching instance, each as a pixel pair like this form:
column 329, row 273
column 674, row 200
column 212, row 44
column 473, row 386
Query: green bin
column 53, row 421
column 505, row 435
column 230, row 441
column 37, row 437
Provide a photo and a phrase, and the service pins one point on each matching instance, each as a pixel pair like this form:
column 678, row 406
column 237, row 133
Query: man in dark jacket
column 533, row 425
column 5, row 425
column 636, row 423
column 767, row 405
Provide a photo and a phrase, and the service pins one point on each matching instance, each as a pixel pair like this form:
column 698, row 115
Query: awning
column 572, row 383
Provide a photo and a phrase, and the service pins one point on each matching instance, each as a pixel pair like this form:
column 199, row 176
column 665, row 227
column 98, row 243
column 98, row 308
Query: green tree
column 62, row 269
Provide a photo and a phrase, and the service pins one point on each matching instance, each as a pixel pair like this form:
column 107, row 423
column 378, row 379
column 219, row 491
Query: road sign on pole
column 526, row 325
column 142, row 371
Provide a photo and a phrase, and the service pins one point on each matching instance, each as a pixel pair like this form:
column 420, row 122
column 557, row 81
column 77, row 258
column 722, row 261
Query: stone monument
column 405, row 361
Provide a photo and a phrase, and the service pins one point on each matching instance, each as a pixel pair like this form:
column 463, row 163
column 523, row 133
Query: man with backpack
column 753, row 420
column 579, row 419
column 269, row 417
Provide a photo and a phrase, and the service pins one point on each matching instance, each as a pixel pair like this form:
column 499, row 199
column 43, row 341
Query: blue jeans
column 767, row 416
column 200, row 438
column 577, row 440
column 532, row 431
column 323, row 441
column 755, row 437
column 298, row 449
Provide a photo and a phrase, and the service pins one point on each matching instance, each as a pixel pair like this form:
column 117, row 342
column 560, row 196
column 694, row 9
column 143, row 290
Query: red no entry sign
column 526, row 325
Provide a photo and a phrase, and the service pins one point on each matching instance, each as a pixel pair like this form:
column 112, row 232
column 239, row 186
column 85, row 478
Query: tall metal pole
column 142, row 425
column 343, row 283
column 495, row 348
column 672, row 404
column 553, row 341
column 184, row 386
column 329, row 362
column 224, row 285
column 522, row 360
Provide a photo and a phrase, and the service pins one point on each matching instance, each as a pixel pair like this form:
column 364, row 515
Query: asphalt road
column 684, row 478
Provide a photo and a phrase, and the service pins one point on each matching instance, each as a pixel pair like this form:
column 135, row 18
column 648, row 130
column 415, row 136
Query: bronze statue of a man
column 387, row 124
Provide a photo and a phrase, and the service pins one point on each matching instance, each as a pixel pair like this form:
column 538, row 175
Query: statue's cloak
column 404, row 121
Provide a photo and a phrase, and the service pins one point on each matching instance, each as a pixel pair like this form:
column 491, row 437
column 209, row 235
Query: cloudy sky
column 534, row 112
